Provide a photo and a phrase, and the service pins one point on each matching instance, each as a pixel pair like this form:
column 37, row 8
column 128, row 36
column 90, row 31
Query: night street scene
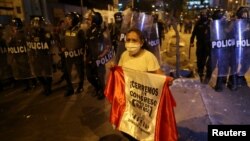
column 124, row 70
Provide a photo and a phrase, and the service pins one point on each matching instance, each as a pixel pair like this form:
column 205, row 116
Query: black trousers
column 203, row 55
column 96, row 75
column 68, row 69
column 46, row 83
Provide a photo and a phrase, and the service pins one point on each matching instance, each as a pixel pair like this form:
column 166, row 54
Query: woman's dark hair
column 141, row 36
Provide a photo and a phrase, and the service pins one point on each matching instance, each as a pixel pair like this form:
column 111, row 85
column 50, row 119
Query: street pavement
column 31, row 116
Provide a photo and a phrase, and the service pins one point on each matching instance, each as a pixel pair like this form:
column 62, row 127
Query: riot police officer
column 242, row 51
column 202, row 35
column 39, row 46
column 116, row 30
column 73, row 49
column 97, row 45
column 222, row 47
column 18, row 54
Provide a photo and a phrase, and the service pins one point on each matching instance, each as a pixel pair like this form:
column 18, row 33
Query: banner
column 142, row 104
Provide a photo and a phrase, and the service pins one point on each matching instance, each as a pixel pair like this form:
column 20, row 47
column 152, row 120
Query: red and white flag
column 142, row 104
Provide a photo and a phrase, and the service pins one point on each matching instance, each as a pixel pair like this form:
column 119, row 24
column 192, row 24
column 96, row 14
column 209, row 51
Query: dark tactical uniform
column 117, row 35
column 98, row 42
column 39, row 45
column 74, row 49
column 115, row 30
column 59, row 39
column 203, row 46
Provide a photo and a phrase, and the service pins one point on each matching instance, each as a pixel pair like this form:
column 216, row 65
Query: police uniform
column 74, row 44
column 39, row 46
column 97, row 42
column 116, row 30
column 202, row 34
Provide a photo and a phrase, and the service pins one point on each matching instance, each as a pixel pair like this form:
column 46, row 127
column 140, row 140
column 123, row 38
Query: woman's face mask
column 132, row 48
column 133, row 43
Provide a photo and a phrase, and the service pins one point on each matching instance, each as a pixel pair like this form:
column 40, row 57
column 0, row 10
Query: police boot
column 219, row 84
column 241, row 81
column 207, row 79
column 69, row 93
column 27, row 85
column 100, row 95
column 27, row 88
column 62, row 78
column 201, row 77
column 47, row 91
column 232, row 82
column 224, row 80
column 1, row 87
column 79, row 88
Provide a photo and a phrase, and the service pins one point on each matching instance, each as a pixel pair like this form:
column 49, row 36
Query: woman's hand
column 111, row 64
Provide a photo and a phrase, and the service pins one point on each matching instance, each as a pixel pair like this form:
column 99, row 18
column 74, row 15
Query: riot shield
column 18, row 57
column 154, row 39
column 106, row 51
column 19, row 61
column 242, row 51
column 144, row 22
column 128, row 15
column 222, row 41
column 5, row 69
column 40, row 56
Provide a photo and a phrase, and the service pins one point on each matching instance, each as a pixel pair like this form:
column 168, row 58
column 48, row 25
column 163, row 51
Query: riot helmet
column 243, row 13
column 37, row 21
column 92, row 19
column 17, row 22
column 118, row 17
column 155, row 18
column 97, row 18
column 74, row 18
column 218, row 14
column 204, row 15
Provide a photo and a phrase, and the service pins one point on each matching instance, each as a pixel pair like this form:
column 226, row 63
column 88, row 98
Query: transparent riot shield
column 18, row 57
column 242, row 51
column 40, row 57
column 19, row 61
column 105, row 50
column 144, row 22
column 154, row 40
column 128, row 15
column 222, row 43
column 150, row 31
column 5, row 69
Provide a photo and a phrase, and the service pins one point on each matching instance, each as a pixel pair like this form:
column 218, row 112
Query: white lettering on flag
column 143, row 94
